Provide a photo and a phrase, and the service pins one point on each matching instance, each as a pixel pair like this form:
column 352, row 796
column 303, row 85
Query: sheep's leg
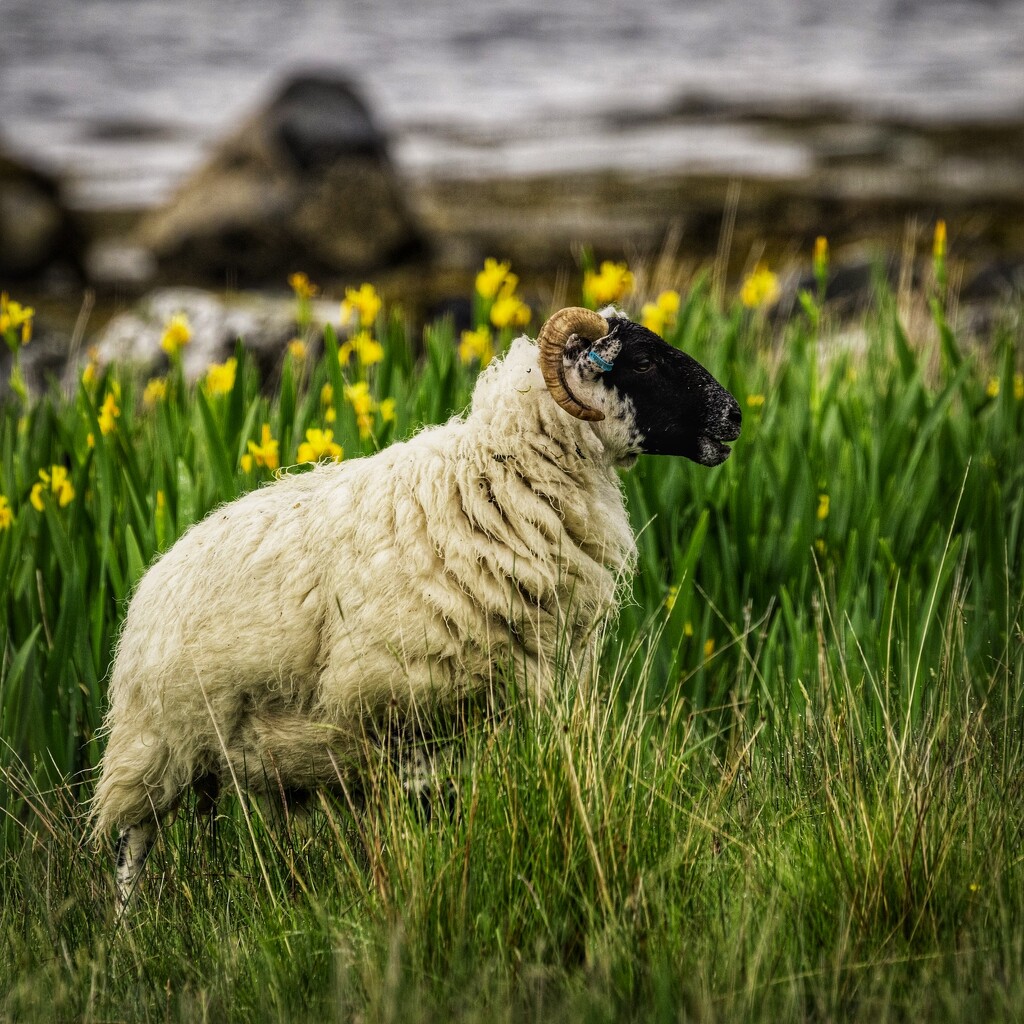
column 133, row 846
column 427, row 775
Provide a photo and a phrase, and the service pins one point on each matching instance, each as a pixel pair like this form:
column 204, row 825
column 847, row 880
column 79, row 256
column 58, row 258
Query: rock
column 995, row 281
column 37, row 232
column 42, row 362
column 264, row 324
column 850, row 288
column 306, row 184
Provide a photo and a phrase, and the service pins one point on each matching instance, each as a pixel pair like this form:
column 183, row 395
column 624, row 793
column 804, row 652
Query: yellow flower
column 297, row 350
column 155, row 391
column 709, row 647
column 476, row 346
column 687, row 629
column 246, row 463
column 319, row 444
column 366, row 349
column 327, row 400
column 387, row 410
column 13, row 315
column 823, row 506
column 1018, row 386
column 364, row 302
column 761, row 288
column 370, row 351
column 670, row 598
column 755, row 401
column 509, row 311
column 364, row 421
column 302, row 286
column 992, row 387
column 177, row 334
column 661, row 314
column 108, row 413
column 358, row 395
column 668, row 302
column 91, row 367
column 820, row 258
column 490, row 280
column 6, row 515
column 55, row 482
column 609, row 284
column 220, row 377
column 821, row 547
column 939, row 240
column 652, row 318
column 264, row 453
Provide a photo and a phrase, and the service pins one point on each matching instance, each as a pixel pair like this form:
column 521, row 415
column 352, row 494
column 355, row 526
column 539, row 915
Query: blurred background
column 150, row 142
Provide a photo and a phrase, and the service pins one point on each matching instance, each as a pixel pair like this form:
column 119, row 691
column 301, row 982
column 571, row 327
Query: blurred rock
column 988, row 292
column 264, row 324
column 37, row 233
column 998, row 280
column 42, row 362
column 114, row 263
column 850, row 289
column 306, row 184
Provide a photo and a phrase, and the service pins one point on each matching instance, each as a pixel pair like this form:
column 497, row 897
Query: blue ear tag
column 602, row 364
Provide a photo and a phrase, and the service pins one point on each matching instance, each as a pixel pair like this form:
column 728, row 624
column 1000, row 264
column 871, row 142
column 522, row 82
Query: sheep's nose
column 732, row 420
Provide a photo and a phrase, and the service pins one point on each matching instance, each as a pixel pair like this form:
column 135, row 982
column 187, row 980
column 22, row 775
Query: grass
column 795, row 790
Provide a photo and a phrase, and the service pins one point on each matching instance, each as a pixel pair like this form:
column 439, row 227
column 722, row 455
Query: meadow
column 794, row 791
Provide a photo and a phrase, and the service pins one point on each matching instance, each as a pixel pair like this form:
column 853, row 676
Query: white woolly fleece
column 262, row 639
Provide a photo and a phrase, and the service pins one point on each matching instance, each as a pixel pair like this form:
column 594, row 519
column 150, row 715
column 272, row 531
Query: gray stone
column 264, row 324
column 306, row 184
column 37, row 232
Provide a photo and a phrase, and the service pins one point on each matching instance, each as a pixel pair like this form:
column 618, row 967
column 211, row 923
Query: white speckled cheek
column 618, row 430
column 586, row 378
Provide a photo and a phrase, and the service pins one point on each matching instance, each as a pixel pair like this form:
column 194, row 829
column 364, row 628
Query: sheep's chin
column 712, row 452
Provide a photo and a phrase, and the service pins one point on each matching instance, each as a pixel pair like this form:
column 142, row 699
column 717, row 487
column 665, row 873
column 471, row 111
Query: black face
column 680, row 408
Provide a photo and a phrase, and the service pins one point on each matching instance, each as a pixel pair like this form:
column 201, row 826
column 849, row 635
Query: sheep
column 258, row 648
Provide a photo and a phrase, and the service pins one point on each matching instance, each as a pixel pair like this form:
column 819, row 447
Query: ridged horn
column 551, row 341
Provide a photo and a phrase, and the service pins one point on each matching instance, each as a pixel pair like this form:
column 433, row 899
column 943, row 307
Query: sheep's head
column 668, row 404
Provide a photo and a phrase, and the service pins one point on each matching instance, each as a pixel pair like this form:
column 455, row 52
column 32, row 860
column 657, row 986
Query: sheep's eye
column 643, row 364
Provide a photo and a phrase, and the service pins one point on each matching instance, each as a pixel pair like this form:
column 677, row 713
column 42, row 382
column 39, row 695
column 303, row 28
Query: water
column 124, row 97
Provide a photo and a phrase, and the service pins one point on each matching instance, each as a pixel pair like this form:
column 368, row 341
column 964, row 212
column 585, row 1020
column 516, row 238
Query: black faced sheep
column 258, row 647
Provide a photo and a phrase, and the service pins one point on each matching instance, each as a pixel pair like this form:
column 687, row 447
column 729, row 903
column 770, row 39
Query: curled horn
column 554, row 335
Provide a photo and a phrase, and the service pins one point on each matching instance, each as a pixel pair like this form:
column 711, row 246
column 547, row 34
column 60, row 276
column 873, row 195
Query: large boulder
column 305, row 184
column 265, row 325
column 37, row 233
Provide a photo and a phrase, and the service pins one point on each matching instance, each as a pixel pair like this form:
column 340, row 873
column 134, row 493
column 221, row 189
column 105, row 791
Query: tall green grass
column 795, row 794
column 603, row 862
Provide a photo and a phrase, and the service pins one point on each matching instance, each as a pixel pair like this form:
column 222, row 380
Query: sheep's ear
column 587, row 363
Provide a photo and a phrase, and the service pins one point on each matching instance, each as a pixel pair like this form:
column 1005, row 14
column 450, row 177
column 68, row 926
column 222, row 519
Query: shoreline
column 861, row 181
column 874, row 189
